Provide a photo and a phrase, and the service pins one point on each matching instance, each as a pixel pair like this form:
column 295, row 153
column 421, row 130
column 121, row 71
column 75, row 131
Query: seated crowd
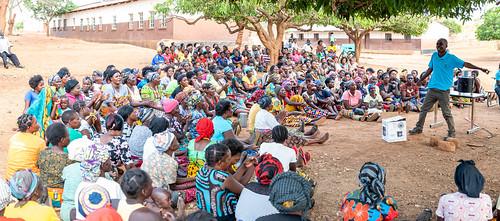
column 145, row 144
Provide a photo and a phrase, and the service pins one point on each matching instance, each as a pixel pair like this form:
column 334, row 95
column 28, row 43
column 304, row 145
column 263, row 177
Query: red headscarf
column 205, row 129
column 104, row 214
column 267, row 169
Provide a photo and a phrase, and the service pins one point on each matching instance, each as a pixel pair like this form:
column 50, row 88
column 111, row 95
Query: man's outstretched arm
column 471, row 66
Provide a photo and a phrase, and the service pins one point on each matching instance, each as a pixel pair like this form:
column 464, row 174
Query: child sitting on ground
column 163, row 203
column 71, row 120
column 59, row 106
column 84, row 112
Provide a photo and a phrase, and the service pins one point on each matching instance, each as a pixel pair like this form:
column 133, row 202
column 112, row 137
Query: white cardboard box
column 394, row 129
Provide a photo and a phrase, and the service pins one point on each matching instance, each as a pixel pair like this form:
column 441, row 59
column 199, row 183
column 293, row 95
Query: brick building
column 375, row 40
column 134, row 22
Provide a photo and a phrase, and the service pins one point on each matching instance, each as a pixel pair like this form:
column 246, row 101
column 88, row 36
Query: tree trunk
column 357, row 49
column 46, row 28
column 3, row 12
column 274, row 54
column 239, row 38
column 12, row 20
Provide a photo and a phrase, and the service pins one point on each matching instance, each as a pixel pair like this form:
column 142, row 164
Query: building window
column 59, row 25
column 54, row 25
column 141, row 21
column 163, row 23
column 81, row 24
column 408, row 37
column 131, row 21
column 388, row 36
column 100, row 23
column 93, row 24
column 113, row 26
column 88, row 24
column 74, row 24
column 65, row 24
column 316, row 36
column 301, row 36
column 151, row 20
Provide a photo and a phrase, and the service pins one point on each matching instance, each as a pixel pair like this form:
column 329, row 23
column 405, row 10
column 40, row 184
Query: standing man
column 6, row 54
column 441, row 66
column 497, row 90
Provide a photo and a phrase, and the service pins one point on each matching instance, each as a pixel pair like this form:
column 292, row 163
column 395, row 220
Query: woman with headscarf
column 182, row 98
column 56, row 82
column 217, row 80
column 92, row 198
column 5, row 200
column 183, row 85
column 369, row 202
column 173, row 116
column 139, row 136
column 468, row 203
column 389, row 90
column 196, row 147
column 130, row 80
column 291, row 195
column 161, row 165
column 254, row 199
column 72, row 176
column 196, row 106
column 27, row 188
column 104, row 214
column 153, row 90
column 211, row 97
column 24, row 146
column 73, row 92
column 94, row 166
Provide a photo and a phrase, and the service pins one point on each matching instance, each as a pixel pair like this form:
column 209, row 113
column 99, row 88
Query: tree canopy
column 270, row 18
column 376, row 9
column 452, row 25
column 490, row 29
column 46, row 10
column 357, row 27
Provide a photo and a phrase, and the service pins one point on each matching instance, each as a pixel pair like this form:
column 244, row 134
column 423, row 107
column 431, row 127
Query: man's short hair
column 444, row 40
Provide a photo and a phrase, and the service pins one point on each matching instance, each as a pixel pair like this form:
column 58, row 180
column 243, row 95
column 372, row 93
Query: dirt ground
column 416, row 174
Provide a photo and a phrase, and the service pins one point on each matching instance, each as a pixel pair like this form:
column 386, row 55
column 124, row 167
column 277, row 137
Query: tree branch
column 269, row 18
column 299, row 27
column 348, row 31
column 232, row 31
column 270, row 28
column 186, row 20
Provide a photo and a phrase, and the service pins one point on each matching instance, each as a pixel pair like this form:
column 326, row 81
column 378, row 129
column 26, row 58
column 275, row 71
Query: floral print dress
column 353, row 209
column 118, row 150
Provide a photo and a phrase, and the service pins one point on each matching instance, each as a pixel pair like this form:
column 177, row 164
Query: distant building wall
column 434, row 32
column 375, row 40
column 130, row 21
